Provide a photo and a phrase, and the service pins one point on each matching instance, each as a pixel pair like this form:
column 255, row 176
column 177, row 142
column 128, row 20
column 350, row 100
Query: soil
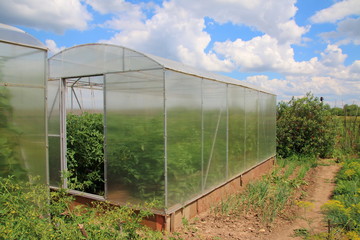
column 292, row 219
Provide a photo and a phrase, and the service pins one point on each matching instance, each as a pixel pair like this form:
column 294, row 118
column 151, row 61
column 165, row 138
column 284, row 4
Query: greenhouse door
column 83, row 141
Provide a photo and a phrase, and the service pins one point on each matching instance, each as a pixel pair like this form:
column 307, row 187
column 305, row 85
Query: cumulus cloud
column 348, row 31
column 330, row 78
column 177, row 30
column 110, row 6
column 262, row 54
column 343, row 15
column 325, row 86
column 52, row 15
column 337, row 11
column 333, row 56
column 126, row 15
column 274, row 18
column 52, row 46
column 173, row 32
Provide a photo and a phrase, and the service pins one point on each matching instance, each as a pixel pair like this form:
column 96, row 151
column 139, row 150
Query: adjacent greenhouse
column 131, row 127
column 23, row 137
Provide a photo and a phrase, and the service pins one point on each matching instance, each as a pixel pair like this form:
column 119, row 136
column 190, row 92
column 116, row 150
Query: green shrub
column 305, row 126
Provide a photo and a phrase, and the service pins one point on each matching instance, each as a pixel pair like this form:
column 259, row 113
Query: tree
column 305, row 126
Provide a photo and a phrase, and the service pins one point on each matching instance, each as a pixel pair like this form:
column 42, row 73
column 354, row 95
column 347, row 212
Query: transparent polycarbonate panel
column 53, row 104
column 135, row 136
column 236, row 105
column 15, row 35
column 271, row 125
column 183, row 119
column 23, row 132
column 263, row 120
column 22, row 115
column 252, row 120
column 11, row 162
column 54, row 161
column 269, row 122
column 86, row 60
column 137, row 61
column 215, row 136
column 21, row 65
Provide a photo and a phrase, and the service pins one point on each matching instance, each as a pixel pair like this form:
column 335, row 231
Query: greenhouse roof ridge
column 178, row 67
column 17, row 36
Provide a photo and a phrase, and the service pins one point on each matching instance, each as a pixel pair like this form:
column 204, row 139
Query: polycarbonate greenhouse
column 168, row 132
column 23, row 137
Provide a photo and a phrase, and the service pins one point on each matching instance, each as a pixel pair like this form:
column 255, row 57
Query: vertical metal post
column 245, row 125
column 258, row 126
column 227, row 131
column 105, row 138
column 165, row 142
column 202, row 136
column 47, row 174
column 63, row 164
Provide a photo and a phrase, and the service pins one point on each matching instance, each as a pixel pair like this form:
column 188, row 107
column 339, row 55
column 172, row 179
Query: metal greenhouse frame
column 171, row 132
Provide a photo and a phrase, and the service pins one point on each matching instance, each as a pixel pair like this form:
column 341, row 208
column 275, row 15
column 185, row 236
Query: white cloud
column 110, row 6
column 52, row 15
column 52, row 46
column 125, row 14
column 330, row 78
column 348, row 31
column 331, row 88
column 173, row 32
column 355, row 67
column 262, row 54
column 274, row 18
column 177, row 30
column 337, row 11
column 333, row 56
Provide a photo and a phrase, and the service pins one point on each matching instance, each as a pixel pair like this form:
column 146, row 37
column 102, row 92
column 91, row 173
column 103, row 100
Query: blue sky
column 288, row 47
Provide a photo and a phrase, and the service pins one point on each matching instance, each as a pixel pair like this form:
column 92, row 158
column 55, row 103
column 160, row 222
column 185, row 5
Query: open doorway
column 83, row 121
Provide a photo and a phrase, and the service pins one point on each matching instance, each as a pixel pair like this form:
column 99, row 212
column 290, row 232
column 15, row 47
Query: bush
column 305, row 126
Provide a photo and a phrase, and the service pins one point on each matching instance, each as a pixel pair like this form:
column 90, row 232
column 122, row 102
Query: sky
column 287, row 47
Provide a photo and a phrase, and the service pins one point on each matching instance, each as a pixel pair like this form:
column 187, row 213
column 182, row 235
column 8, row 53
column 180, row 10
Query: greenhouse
column 130, row 127
column 23, row 59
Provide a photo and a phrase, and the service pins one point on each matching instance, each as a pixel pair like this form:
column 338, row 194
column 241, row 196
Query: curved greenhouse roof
column 17, row 36
column 95, row 59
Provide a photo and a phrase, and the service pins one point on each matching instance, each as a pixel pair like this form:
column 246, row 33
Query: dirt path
column 310, row 218
column 320, row 186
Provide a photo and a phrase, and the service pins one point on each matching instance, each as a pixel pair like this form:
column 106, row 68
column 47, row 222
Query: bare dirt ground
column 248, row 226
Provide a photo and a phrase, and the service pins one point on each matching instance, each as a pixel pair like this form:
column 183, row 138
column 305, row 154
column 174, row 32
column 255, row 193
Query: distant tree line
column 347, row 110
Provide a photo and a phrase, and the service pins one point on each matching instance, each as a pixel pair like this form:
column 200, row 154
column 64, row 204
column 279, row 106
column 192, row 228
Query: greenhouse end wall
column 171, row 133
column 23, row 152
